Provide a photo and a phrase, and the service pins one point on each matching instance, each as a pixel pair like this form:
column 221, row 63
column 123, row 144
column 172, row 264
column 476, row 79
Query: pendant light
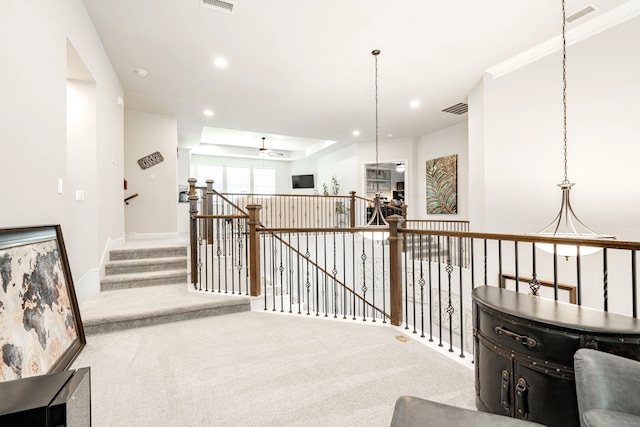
column 377, row 224
column 566, row 224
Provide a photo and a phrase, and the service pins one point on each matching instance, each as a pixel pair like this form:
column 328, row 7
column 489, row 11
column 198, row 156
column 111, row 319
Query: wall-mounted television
column 302, row 181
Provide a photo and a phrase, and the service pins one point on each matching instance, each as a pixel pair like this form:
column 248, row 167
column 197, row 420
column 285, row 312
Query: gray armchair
column 607, row 388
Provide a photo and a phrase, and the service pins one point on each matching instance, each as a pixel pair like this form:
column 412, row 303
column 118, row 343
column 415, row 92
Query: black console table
column 524, row 348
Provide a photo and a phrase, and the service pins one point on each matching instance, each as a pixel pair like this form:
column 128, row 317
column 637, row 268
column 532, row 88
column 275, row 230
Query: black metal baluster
column 373, row 278
column 605, row 279
column 281, row 270
column 364, row 281
column 500, row 260
column 307, row 284
column 534, row 284
column 246, row 254
column 353, row 272
column 344, row 276
column 239, row 243
column 232, row 224
column 515, row 248
column 335, row 278
column 439, row 293
column 450, row 310
column 384, row 280
column 225, row 255
column 429, row 257
column 272, row 270
column 579, row 276
column 634, row 284
column 218, row 253
column 462, row 330
column 325, row 278
column 317, row 255
column 485, row 263
column 421, row 283
column 555, row 272
column 473, row 264
column 263, row 247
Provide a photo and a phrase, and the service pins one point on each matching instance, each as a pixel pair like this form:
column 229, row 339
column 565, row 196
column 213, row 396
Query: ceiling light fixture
column 566, row 223
column 400, row 167
column 220, row 62
column 208, row 113
column 356, row 133
column 141, row 72
column 414, row 104
column 263, row 152
column 378, row 224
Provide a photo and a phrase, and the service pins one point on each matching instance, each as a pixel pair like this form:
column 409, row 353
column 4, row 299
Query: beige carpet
column 264, row 369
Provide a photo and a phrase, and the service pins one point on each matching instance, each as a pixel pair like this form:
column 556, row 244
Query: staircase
column 149, row 286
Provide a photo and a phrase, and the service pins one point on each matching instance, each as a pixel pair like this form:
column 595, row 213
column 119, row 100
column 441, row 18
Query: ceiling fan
column 267, row 152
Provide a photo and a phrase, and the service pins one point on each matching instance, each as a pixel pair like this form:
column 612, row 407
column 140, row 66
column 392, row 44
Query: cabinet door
column 494, row 380
column 544, row 398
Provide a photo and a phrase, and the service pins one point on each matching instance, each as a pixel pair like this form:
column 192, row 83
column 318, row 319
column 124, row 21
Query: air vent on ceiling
column 222, row 6
column 459, row 108
column 582, row 13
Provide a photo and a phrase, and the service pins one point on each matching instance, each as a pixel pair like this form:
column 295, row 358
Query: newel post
column 208, row 211
column 352, row 209
column 193, row 230
column 395, row 269
column 254, row 249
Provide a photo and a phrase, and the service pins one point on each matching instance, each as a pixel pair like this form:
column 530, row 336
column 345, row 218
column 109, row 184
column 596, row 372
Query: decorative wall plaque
column 150, row 160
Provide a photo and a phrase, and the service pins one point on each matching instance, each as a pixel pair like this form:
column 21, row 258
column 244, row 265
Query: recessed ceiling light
column 141, row 72
column 220, row 62
column 415, row 103
column 389, row 135
column 356, row 133
column 208, row 113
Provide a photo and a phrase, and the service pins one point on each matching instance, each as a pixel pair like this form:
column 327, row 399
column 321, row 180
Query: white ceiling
column 300, row 72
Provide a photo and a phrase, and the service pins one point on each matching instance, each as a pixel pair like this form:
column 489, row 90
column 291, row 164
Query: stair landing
column 138, row 307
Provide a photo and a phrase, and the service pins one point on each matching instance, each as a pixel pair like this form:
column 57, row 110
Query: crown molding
column 610, row 19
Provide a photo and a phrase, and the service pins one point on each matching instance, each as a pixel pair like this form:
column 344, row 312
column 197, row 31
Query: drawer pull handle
column 522, row 339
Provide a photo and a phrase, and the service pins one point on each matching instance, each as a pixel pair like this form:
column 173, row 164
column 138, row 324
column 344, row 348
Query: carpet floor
column 264, row 369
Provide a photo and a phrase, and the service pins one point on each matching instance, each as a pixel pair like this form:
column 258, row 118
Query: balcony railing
column 420, row 277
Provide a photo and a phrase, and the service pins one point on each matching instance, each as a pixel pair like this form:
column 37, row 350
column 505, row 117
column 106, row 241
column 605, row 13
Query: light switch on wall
column 152, row 176
column 59, row 185
column 80, row 195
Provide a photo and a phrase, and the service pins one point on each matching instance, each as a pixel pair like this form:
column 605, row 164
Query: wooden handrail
column 133, row 196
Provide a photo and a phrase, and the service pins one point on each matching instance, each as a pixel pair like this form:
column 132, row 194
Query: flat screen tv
column 302, row 181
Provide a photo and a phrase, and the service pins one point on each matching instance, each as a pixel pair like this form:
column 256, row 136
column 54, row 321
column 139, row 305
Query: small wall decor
column 40, row 327
column 150, row 160
column 442, row 185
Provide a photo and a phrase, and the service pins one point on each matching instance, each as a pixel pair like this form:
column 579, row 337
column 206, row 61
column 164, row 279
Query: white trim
column 88, row 285
column 607, row 20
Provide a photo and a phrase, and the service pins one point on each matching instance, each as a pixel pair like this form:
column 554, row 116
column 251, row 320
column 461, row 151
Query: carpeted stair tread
column 135, row 307
column 157, row 252
column 140, row 265
column 143, row 279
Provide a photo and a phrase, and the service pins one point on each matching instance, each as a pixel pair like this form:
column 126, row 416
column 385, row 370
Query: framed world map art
column 40, row 327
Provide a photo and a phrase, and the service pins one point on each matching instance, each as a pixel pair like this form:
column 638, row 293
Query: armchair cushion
column 607, row 389
column 415, row 412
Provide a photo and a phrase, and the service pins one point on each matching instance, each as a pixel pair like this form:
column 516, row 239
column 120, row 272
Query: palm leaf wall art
column 442, row 185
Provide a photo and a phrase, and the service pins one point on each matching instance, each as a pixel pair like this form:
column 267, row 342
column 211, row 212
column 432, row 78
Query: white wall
column 523, row 138
column 341, row 164
column 33, row 42
column 154, row 210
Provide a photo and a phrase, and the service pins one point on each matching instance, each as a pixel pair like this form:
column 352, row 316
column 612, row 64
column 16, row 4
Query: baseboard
column 88, row 285
column 151, row 236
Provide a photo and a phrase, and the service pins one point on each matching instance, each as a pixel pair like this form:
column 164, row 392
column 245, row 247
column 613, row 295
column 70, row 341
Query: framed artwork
column 566, row 293
column 442, row 185
column 40, row 327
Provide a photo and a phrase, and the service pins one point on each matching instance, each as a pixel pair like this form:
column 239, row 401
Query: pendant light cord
column 564, row 90
column 375, row 53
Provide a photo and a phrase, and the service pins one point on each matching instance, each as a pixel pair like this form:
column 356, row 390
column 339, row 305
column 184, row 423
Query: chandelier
column 566, row 224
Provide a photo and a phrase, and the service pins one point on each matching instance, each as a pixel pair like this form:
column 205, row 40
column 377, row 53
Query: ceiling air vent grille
column 223, row 6
column 459, row 108
column 582, row 13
